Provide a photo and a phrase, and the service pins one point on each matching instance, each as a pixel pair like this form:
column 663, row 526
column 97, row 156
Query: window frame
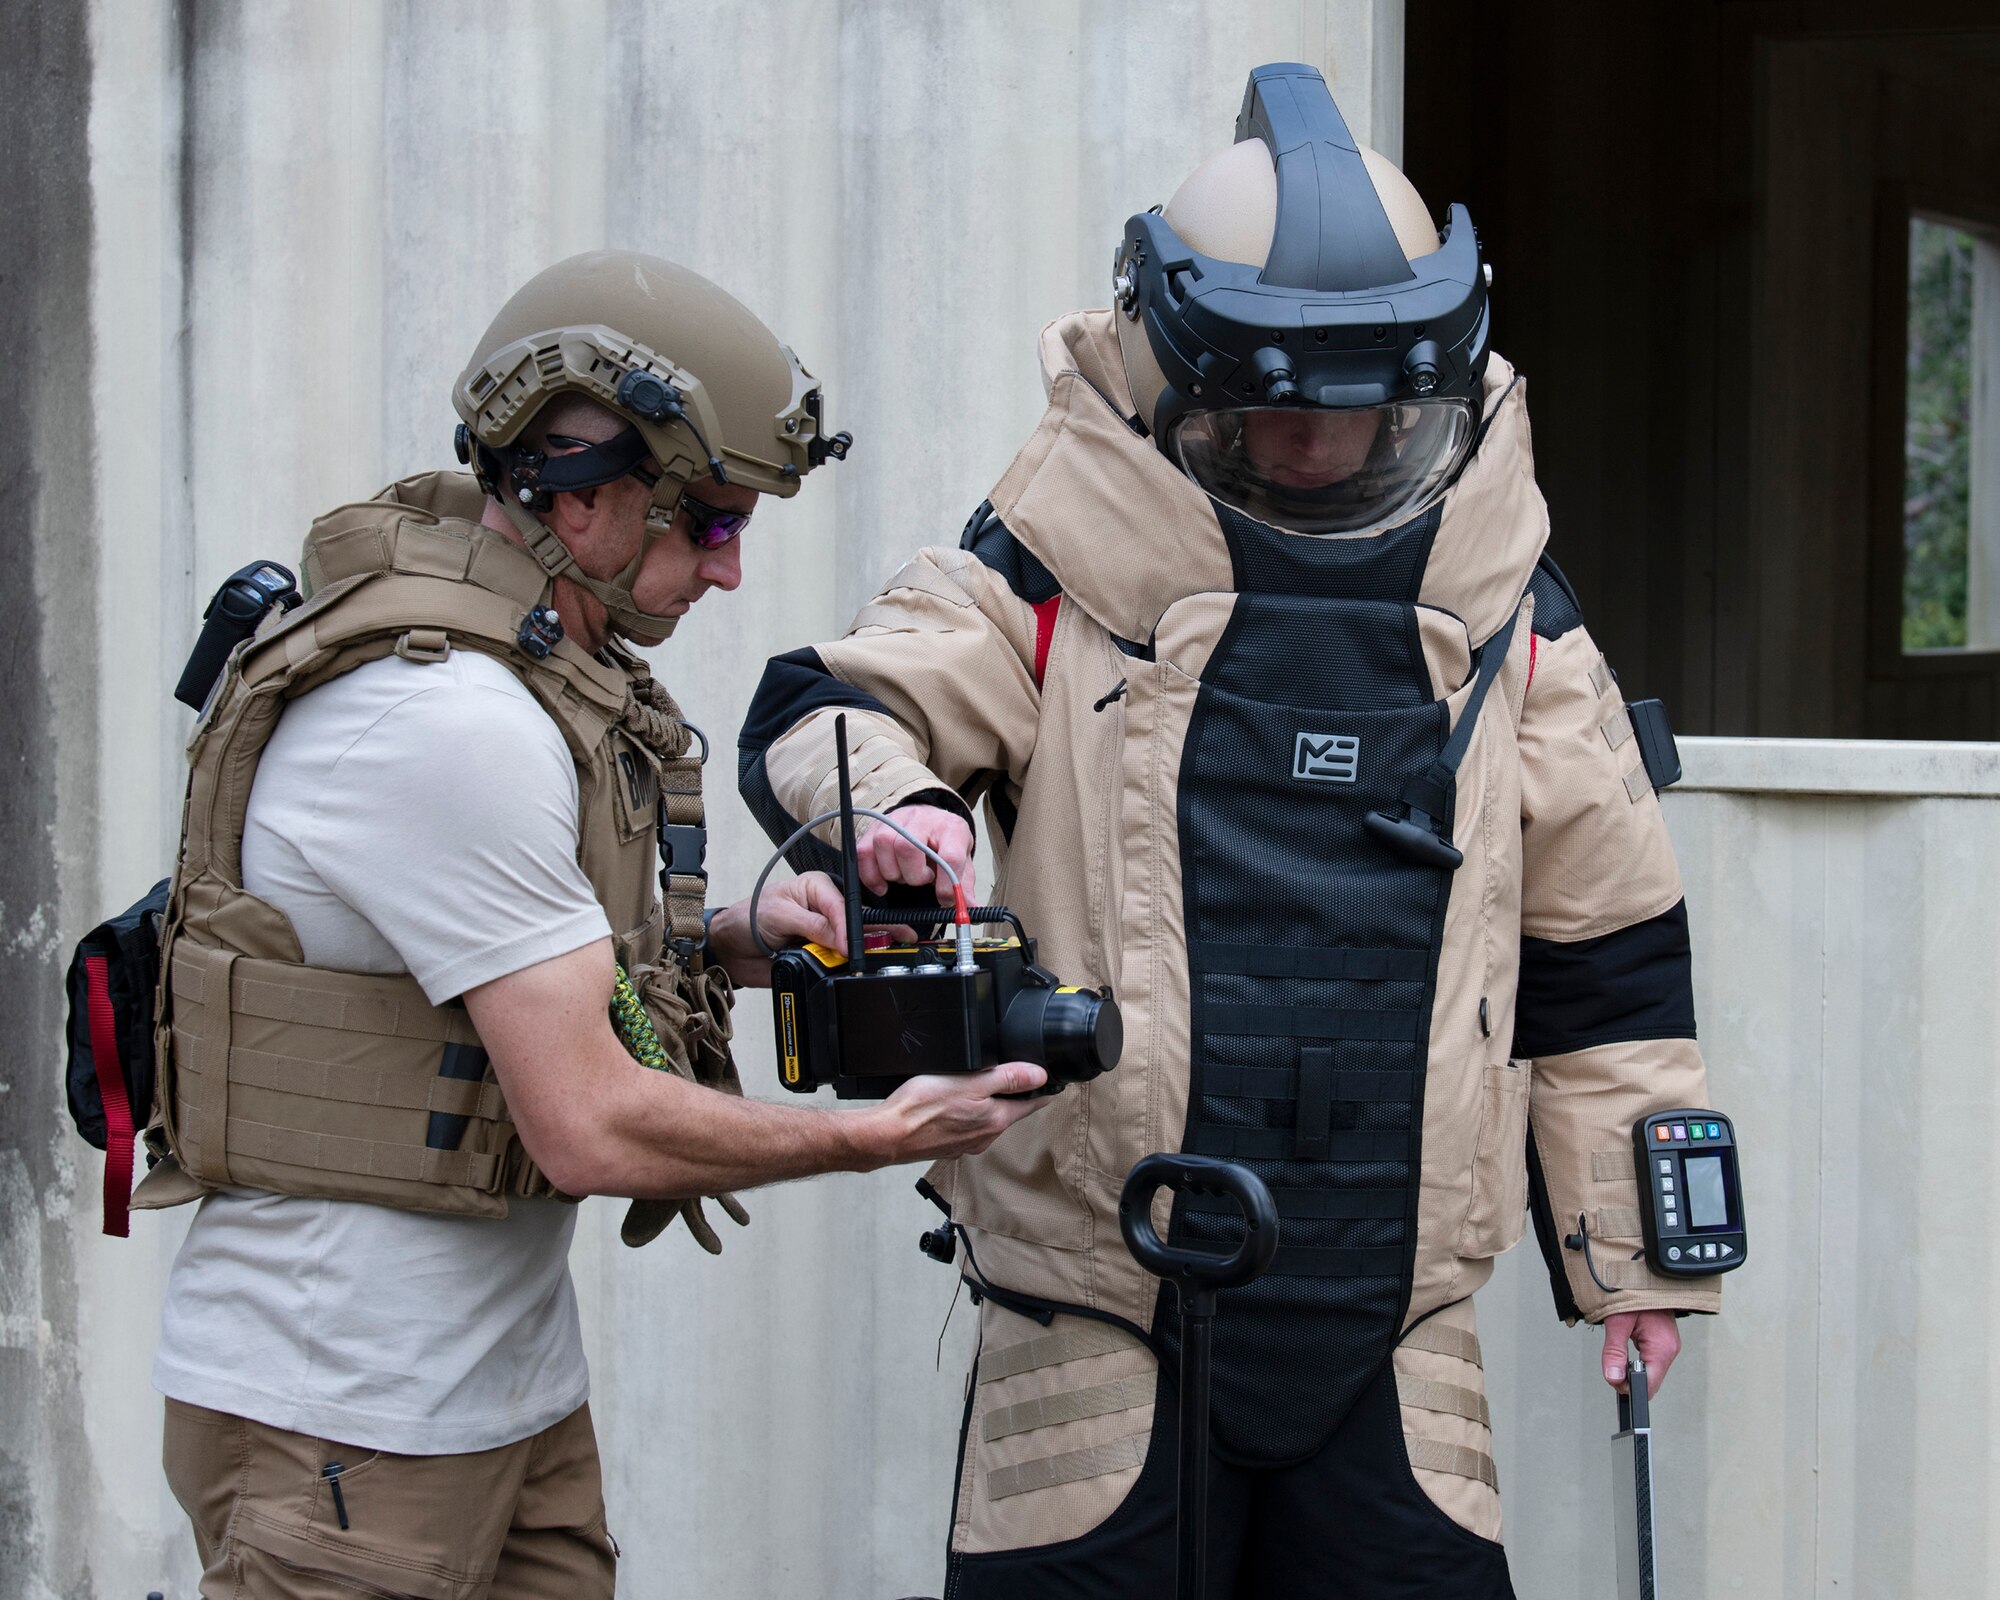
column 1897, row 205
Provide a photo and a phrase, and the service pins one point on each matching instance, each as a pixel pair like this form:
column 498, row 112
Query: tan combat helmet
column 706, row 388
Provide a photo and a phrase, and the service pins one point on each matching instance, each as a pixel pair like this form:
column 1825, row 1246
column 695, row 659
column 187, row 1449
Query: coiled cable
column 807, row 827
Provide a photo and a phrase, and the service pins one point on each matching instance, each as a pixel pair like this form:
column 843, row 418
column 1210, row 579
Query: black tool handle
column 1209, row 1175
column 1196, row 1276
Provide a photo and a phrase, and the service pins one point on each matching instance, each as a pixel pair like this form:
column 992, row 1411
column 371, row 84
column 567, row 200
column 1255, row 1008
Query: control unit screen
column 1707, row 1205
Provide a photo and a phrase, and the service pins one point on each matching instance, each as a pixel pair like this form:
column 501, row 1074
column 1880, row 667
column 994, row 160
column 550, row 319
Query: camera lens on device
column 1075, row 1033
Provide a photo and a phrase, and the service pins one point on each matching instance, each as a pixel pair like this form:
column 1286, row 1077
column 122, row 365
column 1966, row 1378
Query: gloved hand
column 691, row 1016
column 646, row 1220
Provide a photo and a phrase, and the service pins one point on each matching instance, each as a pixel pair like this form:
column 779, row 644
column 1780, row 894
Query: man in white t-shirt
column 369, row 1398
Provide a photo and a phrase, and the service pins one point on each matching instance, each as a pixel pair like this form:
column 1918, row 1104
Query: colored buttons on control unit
column 1680, row 1130
column 1698, row 1130
column 1663, row 1133
column 1715, row 1130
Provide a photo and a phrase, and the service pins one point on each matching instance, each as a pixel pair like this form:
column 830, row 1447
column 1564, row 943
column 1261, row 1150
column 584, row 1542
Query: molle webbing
column 1442, row 1339
column 1429, row 1455
column 1449, row 1399
column 306, row 1081
column 1049, row 1472
column 1314, row 1022
column 1074, row 1405
column 1292, row 961
column 1072, row 1343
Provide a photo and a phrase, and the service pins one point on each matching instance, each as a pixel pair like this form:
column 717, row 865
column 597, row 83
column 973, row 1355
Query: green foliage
column 1937, row 437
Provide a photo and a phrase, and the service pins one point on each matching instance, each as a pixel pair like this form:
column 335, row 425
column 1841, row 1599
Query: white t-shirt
column 421, row 819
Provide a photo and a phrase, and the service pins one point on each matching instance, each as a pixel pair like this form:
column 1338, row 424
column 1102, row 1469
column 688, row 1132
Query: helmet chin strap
column 615, row 596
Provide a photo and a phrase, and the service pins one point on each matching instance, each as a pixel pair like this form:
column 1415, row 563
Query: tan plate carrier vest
column 302, row 1080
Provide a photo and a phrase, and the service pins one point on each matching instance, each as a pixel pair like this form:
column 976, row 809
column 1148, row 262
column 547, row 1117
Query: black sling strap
column 1423, row 833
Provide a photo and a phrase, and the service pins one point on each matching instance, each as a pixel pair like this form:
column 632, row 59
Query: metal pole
column 1197, row 1328
column 1632, row 1490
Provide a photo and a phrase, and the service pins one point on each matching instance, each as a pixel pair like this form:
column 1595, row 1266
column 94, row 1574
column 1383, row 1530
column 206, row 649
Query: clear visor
column 1313, row 470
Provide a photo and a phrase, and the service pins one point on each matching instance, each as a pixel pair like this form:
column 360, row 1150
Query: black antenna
column 850, row 863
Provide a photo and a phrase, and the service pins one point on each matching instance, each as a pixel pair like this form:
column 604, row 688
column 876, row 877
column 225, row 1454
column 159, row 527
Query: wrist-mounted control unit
column 1690, row 1193
column 945, row 1002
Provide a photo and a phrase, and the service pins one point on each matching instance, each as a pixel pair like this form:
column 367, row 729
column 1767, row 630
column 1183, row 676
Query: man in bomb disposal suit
column 1286, row 728
column 418, row 861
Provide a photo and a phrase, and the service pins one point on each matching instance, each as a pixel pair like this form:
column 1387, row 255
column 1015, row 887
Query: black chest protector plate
column 1313, row 954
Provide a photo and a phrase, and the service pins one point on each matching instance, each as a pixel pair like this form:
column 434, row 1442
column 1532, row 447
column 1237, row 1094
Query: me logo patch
column 1328, row 757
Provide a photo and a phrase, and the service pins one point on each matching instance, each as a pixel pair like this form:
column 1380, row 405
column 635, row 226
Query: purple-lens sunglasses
column 710, row 528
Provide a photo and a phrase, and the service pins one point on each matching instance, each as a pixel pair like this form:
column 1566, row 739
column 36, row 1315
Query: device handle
column 1207, row 1175
column 1634, row 1405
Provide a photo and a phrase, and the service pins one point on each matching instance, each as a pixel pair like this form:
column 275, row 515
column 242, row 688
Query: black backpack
column 112, row 978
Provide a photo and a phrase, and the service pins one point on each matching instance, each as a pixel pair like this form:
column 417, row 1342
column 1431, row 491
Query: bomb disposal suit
column 1287, row 729
column 436, row 1325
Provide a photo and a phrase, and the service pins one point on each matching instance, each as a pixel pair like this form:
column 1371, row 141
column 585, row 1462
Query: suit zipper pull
column 331, row 1472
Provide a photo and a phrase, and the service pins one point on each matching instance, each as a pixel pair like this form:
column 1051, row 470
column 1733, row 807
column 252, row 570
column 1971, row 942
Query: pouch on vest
column 1662, row 757
column 112, row 980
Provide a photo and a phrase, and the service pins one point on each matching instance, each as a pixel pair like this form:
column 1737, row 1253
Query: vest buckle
column 426, row 646
column 683, row 850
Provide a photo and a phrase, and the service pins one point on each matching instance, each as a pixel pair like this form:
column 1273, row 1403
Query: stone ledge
column 1859, row 768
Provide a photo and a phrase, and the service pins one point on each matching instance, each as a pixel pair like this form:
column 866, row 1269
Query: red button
column 1663, row 1133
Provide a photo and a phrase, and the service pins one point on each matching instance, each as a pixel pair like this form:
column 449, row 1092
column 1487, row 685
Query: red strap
column 111, row 1090
column 1045, row 630
column 1531, row 668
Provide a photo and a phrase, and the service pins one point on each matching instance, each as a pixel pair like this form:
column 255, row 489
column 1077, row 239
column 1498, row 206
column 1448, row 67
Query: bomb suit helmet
column 1298, row 336
column 705, row 388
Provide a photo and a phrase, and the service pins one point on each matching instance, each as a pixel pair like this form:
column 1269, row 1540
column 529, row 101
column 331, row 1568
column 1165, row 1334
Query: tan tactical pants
column 526, row 1519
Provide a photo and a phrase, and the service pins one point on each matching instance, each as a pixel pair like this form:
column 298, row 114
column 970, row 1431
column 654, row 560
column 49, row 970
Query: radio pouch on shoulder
column 112, row 979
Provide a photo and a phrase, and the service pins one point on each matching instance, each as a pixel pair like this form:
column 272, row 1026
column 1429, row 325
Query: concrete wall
column 247, row 245
column 1830, row 1433
column 52, row 756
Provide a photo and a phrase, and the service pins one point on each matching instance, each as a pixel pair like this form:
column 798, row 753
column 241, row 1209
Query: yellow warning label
column 789, row 1022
